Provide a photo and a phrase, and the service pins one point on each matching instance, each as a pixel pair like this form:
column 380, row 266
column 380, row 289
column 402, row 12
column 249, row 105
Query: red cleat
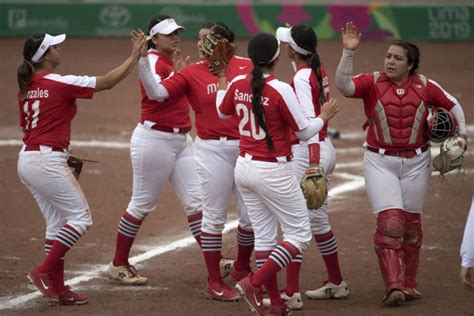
column 69, row 297
column 43, row 282
column 222, row 292
column 252, row 295
column 238, row 275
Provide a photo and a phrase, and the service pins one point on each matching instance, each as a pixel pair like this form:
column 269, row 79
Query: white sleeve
column 305, row 97
column 458, row 114
column 344, row 74
column 151, row 82
column 314, row 127
column 467, row 246
column 219, row 98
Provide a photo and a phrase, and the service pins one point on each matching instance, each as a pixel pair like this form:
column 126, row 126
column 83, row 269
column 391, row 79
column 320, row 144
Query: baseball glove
column 315, row 187
column 75, row 163
column 218, row 52
column 451, row 155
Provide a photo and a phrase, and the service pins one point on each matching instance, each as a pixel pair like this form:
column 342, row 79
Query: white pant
column 319, row 218
column 216, row 162
column 272, row 194
column 394, row 182
column 156, row 158
column 58, row 194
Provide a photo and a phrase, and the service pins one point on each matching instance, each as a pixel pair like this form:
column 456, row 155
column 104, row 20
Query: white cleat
column 127, row 275
column 329, row 290
column 293, row 302
column 225, row 265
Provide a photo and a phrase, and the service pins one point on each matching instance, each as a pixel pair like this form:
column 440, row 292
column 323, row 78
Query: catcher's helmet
column 441, row 125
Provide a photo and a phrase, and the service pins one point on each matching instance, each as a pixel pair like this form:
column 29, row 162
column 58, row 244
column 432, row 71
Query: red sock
column 328, row 247
column 293, row 275
column 127, row 231
column 65, row 240
column 245, row 243
column 211, row 249
column 58, row 273
column 278, row 259
column 194, row 223
column 271, row 283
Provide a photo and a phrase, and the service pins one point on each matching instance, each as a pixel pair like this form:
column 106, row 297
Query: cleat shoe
column 252, row 295
column 225, row 266
column 238, row 275
column 43, row 282
column 412, row 294
column 69, row 297
column 293, row 302
column 329, row 290
column 394, row 298
column 279, row 310
column 222, row 292
column 126, row 274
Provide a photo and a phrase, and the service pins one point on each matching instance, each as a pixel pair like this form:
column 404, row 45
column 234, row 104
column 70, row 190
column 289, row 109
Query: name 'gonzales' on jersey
column 242, row 96
column 37, row 94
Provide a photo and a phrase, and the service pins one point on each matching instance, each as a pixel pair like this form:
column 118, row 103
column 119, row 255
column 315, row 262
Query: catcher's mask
column 441, row 125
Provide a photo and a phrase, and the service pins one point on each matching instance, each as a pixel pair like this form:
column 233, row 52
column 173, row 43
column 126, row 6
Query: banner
column 375, row 21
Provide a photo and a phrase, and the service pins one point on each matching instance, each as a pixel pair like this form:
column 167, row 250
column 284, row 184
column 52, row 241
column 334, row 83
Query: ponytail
column 257, row 106
column 315, row 64
column 27, row 68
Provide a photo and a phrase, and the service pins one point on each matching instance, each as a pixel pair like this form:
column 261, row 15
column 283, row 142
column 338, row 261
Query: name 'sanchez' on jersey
column 241, row 96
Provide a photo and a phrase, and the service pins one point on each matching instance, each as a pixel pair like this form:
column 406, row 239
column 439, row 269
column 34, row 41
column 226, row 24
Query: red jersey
column 397, row 115
column 200, row 86
column 282, row 113
column 50, row 105
column 172, row 112
column 306, row 86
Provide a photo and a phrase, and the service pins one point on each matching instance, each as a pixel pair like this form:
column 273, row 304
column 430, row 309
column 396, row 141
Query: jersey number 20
column 247, row 115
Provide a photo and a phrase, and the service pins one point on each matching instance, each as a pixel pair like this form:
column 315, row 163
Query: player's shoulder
column 74, row 80
column 280, row 87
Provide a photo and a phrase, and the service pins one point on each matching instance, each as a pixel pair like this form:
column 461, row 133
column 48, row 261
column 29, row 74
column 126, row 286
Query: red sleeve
column 177, row 84
column 21, row 113
column 363, row 84
column 227, row 106
column 437, row 96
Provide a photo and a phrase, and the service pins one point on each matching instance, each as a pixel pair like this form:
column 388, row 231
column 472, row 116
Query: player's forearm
column 458, row 114
column 153, row 89
column 109, row 80
column 314, row 127
column 344, row 74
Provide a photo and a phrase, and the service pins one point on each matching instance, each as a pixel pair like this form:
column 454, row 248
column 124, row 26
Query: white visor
column 165, row 27
column 284, row 35
column 47, row 42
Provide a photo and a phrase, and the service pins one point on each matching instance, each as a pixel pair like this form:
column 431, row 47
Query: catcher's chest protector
column 399, row 115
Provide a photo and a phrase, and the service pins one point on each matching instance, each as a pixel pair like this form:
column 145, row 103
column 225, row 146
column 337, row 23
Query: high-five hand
column 350, row 36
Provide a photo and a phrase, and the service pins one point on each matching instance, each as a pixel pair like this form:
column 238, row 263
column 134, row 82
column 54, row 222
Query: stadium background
column 164, row 251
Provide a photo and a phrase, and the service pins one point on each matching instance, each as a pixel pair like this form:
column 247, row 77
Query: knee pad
column 390, row 229
column 81, row 221
column 319, row 220
column 413, row 234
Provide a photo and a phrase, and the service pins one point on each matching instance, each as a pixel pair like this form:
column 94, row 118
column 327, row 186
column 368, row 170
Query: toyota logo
column 114, row 16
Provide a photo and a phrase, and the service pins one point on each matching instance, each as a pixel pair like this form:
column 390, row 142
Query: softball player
column 47, row 106
column 312, row 89
column 397, row 161
column 161, row 150
column 467, row 251
column 268, row 110
column 217, row 149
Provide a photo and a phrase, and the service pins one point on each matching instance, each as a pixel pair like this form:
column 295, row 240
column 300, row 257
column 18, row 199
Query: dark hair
column 220, row 28
column 411, row 51
column 157, row 19
column 305, row 37
column 27, row 68
column 261, row 50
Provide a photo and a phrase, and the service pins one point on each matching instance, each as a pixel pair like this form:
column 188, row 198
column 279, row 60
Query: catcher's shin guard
column 411, row 249
column 388, row 247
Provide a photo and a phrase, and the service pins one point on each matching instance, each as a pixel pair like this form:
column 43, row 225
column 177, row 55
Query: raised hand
column 329, row 110
column 178, row 61
column 350, row 36
column 139, row 40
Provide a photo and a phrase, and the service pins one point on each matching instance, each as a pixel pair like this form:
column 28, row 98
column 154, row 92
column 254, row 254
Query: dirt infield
column 165, row 252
